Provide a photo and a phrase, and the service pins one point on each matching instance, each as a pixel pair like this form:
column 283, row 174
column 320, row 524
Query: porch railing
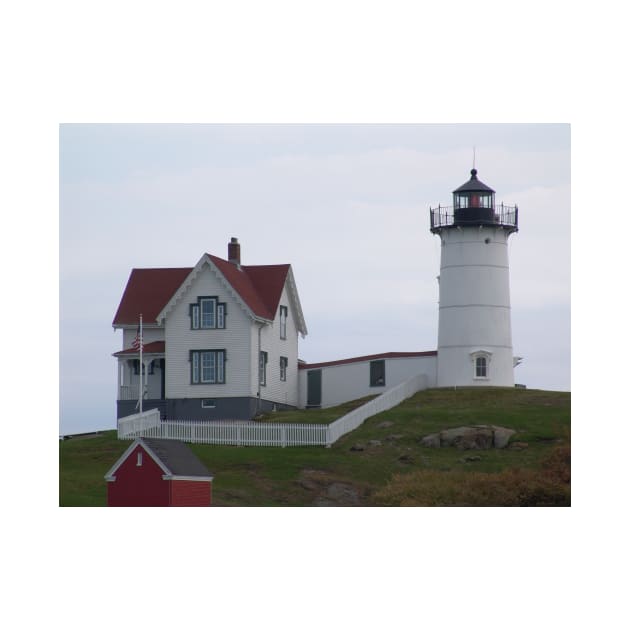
column 128, row 392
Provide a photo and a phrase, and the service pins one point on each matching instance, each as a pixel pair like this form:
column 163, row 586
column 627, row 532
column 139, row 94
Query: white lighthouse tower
column 474, row 330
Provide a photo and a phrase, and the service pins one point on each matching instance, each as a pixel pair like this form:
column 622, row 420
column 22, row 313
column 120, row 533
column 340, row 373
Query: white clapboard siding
column 234, row 339
column 343, row 382
column 275, row 390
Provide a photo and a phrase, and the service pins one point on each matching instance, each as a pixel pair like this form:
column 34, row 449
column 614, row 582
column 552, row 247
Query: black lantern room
column 473, row 205
column 473, row 202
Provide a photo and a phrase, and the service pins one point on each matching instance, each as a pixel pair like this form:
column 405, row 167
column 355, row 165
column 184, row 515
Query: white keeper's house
column 221, row 338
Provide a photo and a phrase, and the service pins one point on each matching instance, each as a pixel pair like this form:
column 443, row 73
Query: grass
column 392, row 468
column 314, row 416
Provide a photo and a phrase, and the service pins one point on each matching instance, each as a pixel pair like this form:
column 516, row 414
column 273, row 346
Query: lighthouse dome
column 473, row 185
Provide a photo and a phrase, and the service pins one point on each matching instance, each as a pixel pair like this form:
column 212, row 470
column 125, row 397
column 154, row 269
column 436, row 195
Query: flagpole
column 141, row 379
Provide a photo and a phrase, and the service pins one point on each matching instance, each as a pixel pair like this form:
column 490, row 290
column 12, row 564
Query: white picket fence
column 243, row 433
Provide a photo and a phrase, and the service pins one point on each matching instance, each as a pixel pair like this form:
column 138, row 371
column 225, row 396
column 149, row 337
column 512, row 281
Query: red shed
column 155, row 472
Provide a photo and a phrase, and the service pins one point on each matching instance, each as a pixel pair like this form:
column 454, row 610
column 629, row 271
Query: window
column 284, row 312
column 139, row 459
column 208, row 403
column 284, row 362
column 262, row 367
column 481, row 367
column 481, row 364
column 208, row 309
column 207, row 366
column 207, row 313
column 377, row 373
column 461, row 201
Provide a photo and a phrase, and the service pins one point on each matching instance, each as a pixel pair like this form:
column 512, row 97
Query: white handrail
column 385, row 401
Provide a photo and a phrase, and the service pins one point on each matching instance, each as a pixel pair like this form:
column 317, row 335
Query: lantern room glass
column 473, row 200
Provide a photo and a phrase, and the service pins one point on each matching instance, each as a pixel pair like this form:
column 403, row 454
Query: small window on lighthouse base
column 481, row 365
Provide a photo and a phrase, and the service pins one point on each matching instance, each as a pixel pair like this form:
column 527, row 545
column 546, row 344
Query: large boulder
column 470, row 438
column 432, row 441
column 465, row 438
column 502, row 436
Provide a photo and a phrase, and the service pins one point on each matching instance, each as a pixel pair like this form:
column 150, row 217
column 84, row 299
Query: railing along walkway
column 247, row 433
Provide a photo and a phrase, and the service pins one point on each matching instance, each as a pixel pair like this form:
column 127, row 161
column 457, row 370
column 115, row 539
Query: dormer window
column 207, row 313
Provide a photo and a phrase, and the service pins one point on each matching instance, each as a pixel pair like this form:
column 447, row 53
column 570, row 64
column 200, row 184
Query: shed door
column 314, row 388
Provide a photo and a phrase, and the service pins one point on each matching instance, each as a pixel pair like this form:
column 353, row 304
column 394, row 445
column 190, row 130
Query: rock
column 375, row 443
column 470, row 458
column 394, row 436
column 358, row 447
column 466, row 438
column 518, row 446
column 308, row 484
column 480, row 439
column 477, row 437
column 343, row 493
column 406, row 459
column 385, row 424
column 323, row 502
column 448, row 436
column 502, row 436
column 431, row 441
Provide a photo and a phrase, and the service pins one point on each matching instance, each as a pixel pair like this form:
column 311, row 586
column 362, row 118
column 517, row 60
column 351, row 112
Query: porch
column 153, row 373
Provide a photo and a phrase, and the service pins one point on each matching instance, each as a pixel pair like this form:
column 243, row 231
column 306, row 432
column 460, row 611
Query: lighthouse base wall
column 459, row 367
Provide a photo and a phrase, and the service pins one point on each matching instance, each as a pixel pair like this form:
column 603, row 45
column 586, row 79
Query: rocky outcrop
column 478, row 437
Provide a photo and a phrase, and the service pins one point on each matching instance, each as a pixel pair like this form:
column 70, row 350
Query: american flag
column 136, row 344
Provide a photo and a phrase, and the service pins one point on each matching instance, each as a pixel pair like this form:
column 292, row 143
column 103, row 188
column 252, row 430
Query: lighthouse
column 474, row 328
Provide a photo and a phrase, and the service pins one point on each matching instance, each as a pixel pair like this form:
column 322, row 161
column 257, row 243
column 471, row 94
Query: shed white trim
column 110, row 476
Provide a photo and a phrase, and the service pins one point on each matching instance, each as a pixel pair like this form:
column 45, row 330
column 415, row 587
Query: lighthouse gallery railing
column 501, row 216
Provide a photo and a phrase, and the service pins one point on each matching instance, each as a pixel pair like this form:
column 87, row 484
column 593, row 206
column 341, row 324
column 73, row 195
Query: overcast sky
column 346, row 205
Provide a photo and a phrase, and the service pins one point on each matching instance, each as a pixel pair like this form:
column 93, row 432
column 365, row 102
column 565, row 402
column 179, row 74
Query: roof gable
column 259, row 286
column 154, row 292
column 173, row 457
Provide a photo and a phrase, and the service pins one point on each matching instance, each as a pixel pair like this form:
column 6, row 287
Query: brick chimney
column 234, row 252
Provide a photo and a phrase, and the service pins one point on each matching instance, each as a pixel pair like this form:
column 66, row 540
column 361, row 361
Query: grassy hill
column 380, row 464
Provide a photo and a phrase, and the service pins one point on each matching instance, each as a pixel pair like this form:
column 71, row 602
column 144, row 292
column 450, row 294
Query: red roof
column 259, row 286
column 148, row 291
column 155, row 347
column 369, row 357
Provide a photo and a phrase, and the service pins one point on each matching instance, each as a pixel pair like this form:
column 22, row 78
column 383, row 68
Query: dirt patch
column 329, row 491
